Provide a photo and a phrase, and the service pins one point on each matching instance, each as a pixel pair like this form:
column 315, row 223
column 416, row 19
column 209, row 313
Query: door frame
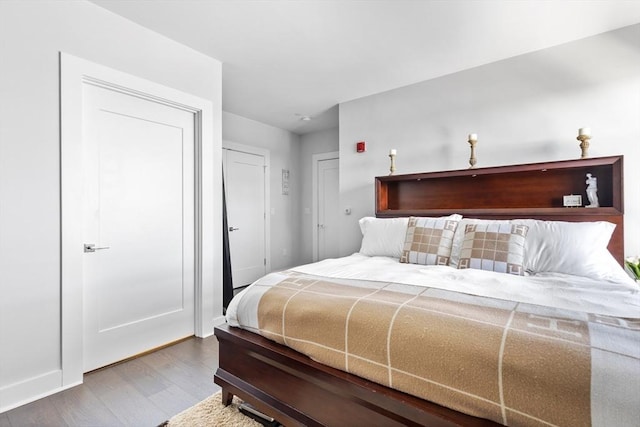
column 74, row 73
column 315, row 159
column 235, row 146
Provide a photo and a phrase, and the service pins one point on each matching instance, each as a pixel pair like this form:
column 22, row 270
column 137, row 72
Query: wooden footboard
column 297, row 391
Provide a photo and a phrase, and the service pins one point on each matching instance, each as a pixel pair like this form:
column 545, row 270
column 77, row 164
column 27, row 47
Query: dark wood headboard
column 532, row 190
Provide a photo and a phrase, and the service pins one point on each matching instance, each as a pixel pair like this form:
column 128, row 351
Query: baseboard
column 32, row 389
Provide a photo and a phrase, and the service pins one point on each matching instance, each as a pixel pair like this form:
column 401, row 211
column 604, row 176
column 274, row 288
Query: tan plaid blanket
column 510, row 362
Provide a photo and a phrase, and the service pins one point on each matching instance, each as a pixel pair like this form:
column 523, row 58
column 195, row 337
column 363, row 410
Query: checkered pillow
column 494, row 247
column 428, row 241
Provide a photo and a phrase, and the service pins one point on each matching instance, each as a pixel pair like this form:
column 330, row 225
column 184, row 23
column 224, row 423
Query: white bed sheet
column 549, row 289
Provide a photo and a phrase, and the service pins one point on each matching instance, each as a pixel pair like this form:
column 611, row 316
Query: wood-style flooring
column 141, row 392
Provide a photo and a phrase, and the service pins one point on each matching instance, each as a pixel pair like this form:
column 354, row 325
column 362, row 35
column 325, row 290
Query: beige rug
column 211, row 412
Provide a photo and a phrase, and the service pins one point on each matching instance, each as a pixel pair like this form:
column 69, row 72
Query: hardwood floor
column 142, row 392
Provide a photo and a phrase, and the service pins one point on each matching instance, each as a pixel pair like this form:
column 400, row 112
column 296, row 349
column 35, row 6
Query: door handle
column 233, row 229
column 91, row 247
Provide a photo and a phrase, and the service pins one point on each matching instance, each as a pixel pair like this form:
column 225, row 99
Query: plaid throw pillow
column 494, row 247
column 428, row 241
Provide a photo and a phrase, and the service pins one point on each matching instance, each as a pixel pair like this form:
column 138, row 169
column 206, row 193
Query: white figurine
column 592, row 191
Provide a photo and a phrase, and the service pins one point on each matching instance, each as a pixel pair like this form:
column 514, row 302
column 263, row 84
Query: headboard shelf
column 532, row 190
column 510, row 212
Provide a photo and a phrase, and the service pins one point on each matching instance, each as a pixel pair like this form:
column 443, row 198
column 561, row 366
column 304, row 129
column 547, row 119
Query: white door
column 328, row 203
column 246, row 216
column 138, row 280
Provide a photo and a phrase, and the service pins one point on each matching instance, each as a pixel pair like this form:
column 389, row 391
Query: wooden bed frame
column 296, row 391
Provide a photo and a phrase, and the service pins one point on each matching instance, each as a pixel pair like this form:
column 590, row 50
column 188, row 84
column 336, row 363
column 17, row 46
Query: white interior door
column 246, row 216
column 328, row 202
column 138, row 281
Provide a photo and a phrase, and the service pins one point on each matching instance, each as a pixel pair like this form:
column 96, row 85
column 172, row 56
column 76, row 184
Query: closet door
column 246, row 215
column 328, row 202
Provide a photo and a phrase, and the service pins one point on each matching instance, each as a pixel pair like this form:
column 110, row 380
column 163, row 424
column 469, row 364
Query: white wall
column 325, row 141
column 33, row 34
column 524, row 109
column 284, row 148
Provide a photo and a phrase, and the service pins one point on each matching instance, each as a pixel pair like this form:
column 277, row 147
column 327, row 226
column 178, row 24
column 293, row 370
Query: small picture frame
column 572, row 201
column 285, row 182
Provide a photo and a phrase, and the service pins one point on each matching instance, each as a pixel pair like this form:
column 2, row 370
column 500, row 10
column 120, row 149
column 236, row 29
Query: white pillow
column 385, row 236
column 578, row 248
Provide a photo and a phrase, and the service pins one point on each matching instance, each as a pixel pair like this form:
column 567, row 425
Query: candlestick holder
column 472, row 159
column 584, row 145
column 392, row 167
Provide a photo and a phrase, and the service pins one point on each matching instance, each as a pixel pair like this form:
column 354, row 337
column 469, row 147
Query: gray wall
column 32, row 34
column 524, row 109
column 284, row 148
column 325, row 141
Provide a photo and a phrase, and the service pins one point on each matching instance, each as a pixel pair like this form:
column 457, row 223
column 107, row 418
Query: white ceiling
column 283, row 59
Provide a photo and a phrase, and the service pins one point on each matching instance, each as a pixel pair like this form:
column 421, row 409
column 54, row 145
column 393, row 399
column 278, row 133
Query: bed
column 284, row 351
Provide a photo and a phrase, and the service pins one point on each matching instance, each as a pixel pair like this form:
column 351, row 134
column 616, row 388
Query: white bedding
column 548, row 289
column 614, row 350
